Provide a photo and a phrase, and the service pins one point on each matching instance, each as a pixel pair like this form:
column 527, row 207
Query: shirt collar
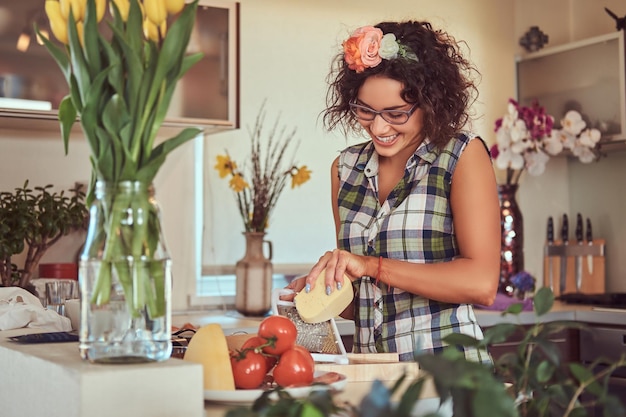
column 367, row 161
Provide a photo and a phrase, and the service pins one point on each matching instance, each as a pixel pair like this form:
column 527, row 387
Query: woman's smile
column 386, row 140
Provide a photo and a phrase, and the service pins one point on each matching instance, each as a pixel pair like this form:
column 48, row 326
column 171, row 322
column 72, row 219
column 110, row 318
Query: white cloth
column 19, row 308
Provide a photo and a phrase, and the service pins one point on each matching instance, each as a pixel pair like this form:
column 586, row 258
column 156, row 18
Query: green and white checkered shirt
column 414, row 224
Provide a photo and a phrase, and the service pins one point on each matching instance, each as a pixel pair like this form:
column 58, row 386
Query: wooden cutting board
column 365, row 367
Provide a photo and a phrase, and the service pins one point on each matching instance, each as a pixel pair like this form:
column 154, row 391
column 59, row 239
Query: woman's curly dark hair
column 440, row 81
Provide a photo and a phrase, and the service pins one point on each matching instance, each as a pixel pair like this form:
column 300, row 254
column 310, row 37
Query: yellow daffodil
column 301, row 176
column 123, row 6
column 237, row 183
column 77, row 7
column 225, row 165
column 256, row 202
column 155, row 11
column 153, row 33
column 58, row 25
column 174, row 6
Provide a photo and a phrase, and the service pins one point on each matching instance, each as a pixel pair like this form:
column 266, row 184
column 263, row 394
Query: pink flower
column 369, row 45
column 525, row 139
column 361, row 48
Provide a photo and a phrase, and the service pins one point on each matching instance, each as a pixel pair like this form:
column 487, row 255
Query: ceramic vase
column 125, row 278
column 512, row 244
column 254, row 276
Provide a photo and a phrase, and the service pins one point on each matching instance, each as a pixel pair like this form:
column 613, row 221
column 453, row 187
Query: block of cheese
column 316, row 306
column 209, row 348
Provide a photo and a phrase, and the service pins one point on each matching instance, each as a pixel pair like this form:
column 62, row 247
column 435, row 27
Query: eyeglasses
column 394, row 117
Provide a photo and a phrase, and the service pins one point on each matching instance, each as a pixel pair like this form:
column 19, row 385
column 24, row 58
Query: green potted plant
column 531, row 382
column 34, row 219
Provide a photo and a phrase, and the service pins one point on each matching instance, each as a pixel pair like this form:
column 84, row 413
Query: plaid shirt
column 413, row 224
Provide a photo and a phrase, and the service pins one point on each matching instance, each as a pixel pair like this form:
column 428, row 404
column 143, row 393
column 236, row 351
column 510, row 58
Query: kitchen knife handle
column 550, row 231
column 579, row 228
column 589, row 232
column 565, row 230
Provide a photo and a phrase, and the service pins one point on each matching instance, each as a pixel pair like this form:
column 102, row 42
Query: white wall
column 286, row 50
column 594, row 190
column 286, row 47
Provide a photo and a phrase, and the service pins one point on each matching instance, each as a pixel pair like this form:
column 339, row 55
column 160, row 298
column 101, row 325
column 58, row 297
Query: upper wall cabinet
column 588, row 76
column 32, row 86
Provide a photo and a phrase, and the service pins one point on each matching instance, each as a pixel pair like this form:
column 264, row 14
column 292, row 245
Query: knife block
column 555, row 254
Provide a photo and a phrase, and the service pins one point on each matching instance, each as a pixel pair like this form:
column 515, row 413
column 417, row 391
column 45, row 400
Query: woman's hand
column 336, row 263
column 296, row 285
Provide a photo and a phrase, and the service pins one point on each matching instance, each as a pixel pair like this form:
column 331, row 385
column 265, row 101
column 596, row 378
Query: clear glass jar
column 125, row 278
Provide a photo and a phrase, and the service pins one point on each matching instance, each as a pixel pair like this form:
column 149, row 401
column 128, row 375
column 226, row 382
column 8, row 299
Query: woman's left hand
column 337, row 264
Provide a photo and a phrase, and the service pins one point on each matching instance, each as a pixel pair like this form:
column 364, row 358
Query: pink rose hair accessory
column 367, row 47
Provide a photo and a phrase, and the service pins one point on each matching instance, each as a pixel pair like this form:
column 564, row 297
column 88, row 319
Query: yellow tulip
column 151, row 31
column 77, row 7
column 174, row 6
column 100, row 8
column 155, row 11
column 79, row 29
column 123, row 6
column 58, row 25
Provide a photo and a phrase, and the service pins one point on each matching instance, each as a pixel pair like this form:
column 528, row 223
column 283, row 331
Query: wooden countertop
column 62, row 364
column 233, row 322
column 352, row 394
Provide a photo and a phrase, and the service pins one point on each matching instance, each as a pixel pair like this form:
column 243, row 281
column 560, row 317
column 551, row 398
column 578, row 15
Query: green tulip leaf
column 90, row 39
column 57, row 53
column 67, row 117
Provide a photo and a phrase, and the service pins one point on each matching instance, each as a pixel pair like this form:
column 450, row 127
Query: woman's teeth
column 386, row 139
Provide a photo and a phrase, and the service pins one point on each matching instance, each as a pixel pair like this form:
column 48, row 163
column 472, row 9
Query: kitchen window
column 214, row 285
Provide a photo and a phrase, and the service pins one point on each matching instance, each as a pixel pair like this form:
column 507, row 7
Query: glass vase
column 254, row 276
column 512, row 245
column 125, row 278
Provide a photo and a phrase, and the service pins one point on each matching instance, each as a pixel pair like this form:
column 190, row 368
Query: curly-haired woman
column 416, row 205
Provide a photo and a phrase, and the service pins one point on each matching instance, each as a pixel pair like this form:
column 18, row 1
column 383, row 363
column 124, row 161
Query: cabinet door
column 32, row 85
column 566, row 341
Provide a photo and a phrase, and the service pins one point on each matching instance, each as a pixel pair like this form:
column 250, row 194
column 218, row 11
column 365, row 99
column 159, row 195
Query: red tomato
column 294, row 369
column 280, row 332
column 249, row 369
column 306, row 353
column 256, row 341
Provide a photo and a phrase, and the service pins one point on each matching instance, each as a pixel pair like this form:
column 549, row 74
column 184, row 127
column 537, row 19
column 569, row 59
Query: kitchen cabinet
column 566, row 341
column 587, row 75
column 32, row 86
column 607, row 343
